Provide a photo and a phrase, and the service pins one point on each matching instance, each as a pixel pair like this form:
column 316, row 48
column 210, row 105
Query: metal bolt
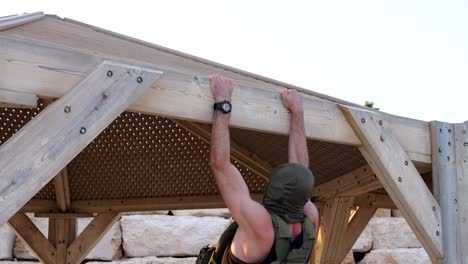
column 455, row 201
column 433, row 208
column 400, row 179
column 406, row 163
column 381, row 138
column 440, row 150
column 139, row 80
column 110, row 73
column 450, row 143
column 450, row 130
column 105, row 94
column 363, row 120
column 83, row 130
column 380, row 122
column 465, row 144
column 440, row 130
column 463, row 131
column 437, row 233
column 448, row 158
column 67, row 109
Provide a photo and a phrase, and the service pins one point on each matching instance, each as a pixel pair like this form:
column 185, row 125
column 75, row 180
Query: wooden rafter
column 258, row 104
column 399, row 177
column 31, row 235
column 239, row 153
column 17, row 99
column 57, row 134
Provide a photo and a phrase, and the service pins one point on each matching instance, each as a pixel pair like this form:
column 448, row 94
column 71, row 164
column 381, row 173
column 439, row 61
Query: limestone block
column 150, row 260
column 21, row 250
column 365, row 241
column 392, row 232
column 7, row 242
column 220, row 212
column 349, row 259
column 109, row 247
column 161, row 235
column 396, row 256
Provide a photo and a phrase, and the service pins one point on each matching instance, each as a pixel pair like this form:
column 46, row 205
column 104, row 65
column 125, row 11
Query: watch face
column 226, row 107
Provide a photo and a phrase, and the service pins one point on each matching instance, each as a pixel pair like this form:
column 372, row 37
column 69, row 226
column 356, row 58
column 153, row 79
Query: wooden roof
column 157, row 151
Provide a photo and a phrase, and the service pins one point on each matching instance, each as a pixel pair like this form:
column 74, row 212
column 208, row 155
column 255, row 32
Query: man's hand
column 221, row 87
column 292, row 100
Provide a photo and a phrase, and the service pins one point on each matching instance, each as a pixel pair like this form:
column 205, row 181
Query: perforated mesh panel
column 11, row 120
column 142, row 156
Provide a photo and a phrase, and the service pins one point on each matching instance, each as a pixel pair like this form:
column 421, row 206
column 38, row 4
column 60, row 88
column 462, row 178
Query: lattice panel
column 11, row 120
column 327, row 160
column 142, row 156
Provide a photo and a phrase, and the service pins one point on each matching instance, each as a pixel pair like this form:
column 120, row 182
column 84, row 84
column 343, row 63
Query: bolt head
column 139, row 80
column 400, row 179
column 67, row 109
column 110, row 73
column 380, row 122
column 363, row 120
column 406, row 163
column 382, row 138
column 83, row 130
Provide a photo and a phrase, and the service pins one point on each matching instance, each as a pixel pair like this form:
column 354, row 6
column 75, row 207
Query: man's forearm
column 220, row 140
column 298, row 152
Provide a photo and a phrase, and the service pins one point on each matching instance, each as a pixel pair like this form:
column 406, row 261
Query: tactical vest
column 283, row 252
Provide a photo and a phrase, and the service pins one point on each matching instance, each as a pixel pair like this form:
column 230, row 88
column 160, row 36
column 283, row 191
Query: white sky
column 409, row 57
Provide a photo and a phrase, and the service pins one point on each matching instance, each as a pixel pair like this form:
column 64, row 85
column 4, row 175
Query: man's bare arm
column 297, row 139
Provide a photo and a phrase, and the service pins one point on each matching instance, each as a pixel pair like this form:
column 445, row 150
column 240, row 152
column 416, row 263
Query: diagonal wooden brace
column 34, row 155
column 399, row 177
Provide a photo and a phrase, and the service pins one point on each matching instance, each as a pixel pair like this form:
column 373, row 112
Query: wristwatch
column 224, row 106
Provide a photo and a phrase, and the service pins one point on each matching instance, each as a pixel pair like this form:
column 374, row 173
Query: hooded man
column 282, row 229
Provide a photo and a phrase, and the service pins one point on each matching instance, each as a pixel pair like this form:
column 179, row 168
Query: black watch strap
column 223, row 106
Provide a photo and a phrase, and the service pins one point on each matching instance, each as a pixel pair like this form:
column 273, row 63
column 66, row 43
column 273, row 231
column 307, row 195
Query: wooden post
column 461, row 161
column 334, row 221
column 55, row 136
column 399, row 177
column 444, row 174
column 90, row 236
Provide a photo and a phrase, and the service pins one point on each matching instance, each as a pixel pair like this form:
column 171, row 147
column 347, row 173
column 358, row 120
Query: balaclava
column 288, row 190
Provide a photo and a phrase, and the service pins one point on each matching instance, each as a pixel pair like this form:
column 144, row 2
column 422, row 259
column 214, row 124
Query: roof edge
column 17, row 20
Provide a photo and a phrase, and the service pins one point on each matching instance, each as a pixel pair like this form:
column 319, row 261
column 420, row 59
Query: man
column 286, row 206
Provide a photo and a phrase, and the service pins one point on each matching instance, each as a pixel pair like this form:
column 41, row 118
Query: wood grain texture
column 444, row 175
column 31, row 235
column 461, row 161
column 257, row 105
column 17, row 99
column 34, row 155
column 90, row 236
column 399, row 177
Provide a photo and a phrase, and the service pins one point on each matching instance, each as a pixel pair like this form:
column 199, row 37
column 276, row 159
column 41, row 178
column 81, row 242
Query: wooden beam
column 63, row 215
column 333, row 225
column 239, row 153
column 354, row 183
column 90, row 236
column 62, row 190
column 461, row 161
column 17, row 99
column 374, row 200
column 18, row 20
column 151, row 204
column 444, row 174
column 38, row 151
column 354, row 229
column 52, row 68
column 399, row 177
column 40, row 206
column 31, row 235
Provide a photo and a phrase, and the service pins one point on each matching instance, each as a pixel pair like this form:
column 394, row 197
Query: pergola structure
column 97, row 124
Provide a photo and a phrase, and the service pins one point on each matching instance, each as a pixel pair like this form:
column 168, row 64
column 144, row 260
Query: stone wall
column 154, row 239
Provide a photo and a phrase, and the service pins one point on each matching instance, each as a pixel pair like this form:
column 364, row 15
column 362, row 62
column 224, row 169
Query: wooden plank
column 18, row 20
column 257, row 107
column 239, row 153
column 333, row 225
column 354, row 230
column 461, row 161
column 348, row 178
column 62, row 190
column 56, row 135
column 375, row 200
column 151, row 204
column 63, row 215
column 445, row 187
column 17, row 99
column 40, row 206
column 399, row 177
column 31, row 235
column 90, row 236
